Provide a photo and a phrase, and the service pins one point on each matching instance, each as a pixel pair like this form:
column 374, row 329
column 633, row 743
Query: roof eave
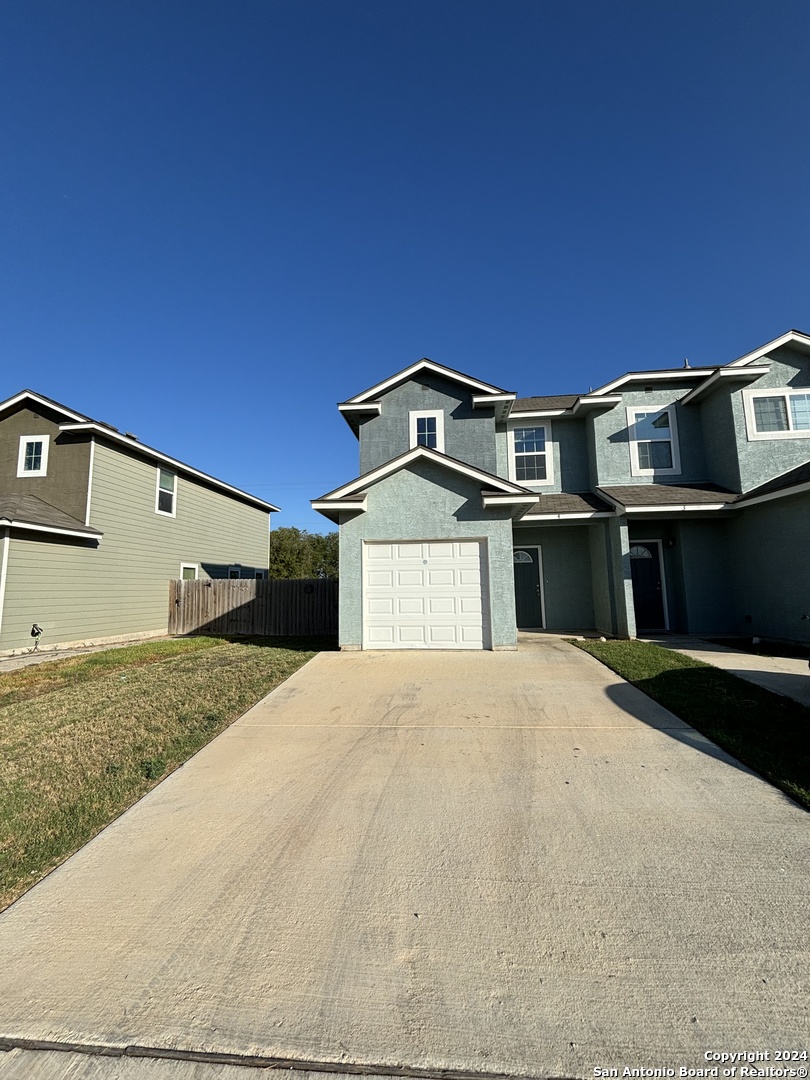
column 93, row 428
column 726, row 374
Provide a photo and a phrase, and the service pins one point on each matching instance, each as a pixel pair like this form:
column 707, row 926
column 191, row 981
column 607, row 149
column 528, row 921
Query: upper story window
column 530, row 455
column 427, row 429
column 653, row 441
column 777, row 414
column 166, row 496
column 32, row 459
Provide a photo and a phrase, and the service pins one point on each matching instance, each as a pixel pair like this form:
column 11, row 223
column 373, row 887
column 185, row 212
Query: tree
column 296, row 553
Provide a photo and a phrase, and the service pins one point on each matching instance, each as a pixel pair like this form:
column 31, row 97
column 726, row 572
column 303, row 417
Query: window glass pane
column 166, row 480
column 800, row 411
column 33, row 457
column 426, row 431
column 770, row 414
column 189, row 573
column 652, row 425
column 530, row 440
column 530, row 467
column 655, row 455
column 166, row 501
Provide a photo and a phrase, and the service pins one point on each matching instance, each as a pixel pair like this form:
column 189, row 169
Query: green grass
column 81, row 739
column 764, row 731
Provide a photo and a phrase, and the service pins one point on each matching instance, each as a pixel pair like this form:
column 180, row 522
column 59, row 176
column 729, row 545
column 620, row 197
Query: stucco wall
column 77, row 590
column 469, row 433
column 769, row 556
column 762, row 459
column 427, row 502
column 604, row 607
column 613, row 442
column 567, row 589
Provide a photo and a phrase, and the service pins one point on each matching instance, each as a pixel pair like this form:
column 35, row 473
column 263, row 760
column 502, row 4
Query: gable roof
column 425, row 365
column 352, row 496
column 792, row 337
column 79, row 423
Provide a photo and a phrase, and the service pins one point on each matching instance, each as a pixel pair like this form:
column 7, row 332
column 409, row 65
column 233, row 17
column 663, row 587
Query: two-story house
column 674, row 500
column 94, row 524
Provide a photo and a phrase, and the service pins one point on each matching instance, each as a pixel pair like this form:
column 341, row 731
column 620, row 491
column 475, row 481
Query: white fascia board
column 30, row 527
column 367, row 407
column 596, row 401
column 652, row 376
column 509, row 500
column 797, row 489
column 359, row 505
column 492, row 399
column 750, row 373
column 563, row 516
column 404, row 460
column 54, row 406
column 666, row 508
column 147, row 451
column 537, row 414
column 424, row 365
column 792, row 337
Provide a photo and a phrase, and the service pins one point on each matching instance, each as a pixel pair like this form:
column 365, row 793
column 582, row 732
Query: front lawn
column 766, row 732
column 81, row 739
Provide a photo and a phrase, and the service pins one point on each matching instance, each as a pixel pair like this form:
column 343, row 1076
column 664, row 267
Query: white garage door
column 430, row 595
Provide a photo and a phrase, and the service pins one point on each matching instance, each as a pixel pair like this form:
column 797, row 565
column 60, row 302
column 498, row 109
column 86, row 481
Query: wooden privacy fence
column 260, row 608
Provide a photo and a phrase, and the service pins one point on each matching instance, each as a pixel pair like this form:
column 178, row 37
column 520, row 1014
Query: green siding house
column 94, row 524
column 664, row 501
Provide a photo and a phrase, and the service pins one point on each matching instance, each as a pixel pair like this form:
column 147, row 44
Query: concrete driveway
column 483, row 862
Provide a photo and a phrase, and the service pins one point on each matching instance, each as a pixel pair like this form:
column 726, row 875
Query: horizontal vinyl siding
column 76, row 591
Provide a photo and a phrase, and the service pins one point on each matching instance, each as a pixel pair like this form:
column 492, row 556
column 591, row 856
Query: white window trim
column 419, row 414
column 189, row 566
column 43, row 469
column 165, row 513
column 750, row 419
column 522, row 425
column 635, row 468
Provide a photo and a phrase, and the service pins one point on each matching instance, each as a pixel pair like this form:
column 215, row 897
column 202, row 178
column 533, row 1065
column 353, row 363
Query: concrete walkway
column 783, row 675
column 497, row 862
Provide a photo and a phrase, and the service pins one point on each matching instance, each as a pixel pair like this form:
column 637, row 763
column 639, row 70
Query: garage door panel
column 431, row 594
column 411, row 605
column 410, row 577
column 381, row 578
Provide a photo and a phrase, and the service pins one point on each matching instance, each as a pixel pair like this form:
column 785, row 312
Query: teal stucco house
column 674, row 500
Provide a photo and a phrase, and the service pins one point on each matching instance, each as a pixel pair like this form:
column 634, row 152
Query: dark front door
column 648, row 593
column 528, row 604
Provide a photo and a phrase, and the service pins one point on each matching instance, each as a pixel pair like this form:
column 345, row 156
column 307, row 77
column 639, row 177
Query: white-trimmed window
column 427, row 429
column 781, row 413
column 189, row 571
column 530, row 459
column 653, row 441
column 32, row 459
column 166, row 493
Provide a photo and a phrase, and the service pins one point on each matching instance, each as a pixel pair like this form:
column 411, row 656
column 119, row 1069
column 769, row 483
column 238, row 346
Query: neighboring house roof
column 78, row 423
column 790, row 483
column 31, row 512
column 636, row 498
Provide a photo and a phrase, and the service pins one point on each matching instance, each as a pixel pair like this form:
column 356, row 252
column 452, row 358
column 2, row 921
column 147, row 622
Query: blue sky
column 219, row 218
